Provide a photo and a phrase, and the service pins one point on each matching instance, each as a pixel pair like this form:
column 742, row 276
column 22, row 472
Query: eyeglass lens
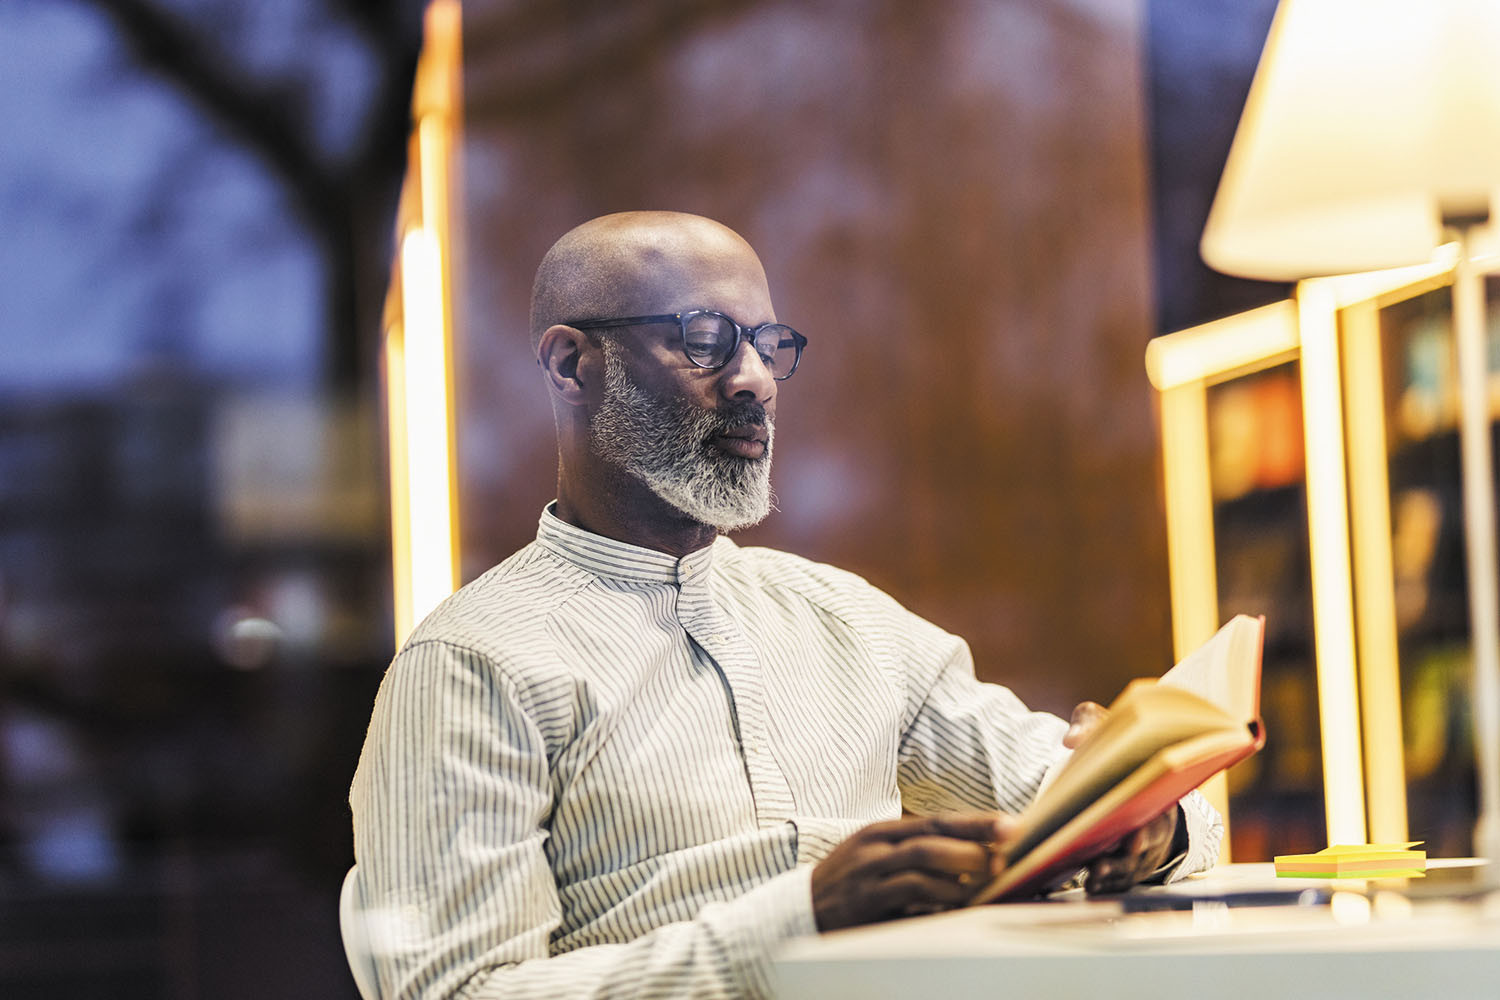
column 711, row 339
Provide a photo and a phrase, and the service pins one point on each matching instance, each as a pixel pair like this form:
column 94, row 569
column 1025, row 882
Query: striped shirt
column 601, row 770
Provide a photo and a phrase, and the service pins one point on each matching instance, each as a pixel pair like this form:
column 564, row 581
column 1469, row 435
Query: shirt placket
column 726, row 646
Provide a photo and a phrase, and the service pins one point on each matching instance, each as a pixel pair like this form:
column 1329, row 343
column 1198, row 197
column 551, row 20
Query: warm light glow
column 1190, row 521
column 1192, row 571
column 432, row 151
column 1350, row 908
column 1328, row 535
column 1216, row 351
column 1374, row 573
column 1367, row 123
column 1382, row 287
column 428, row 431
column 1371, row 136
column 1182, row 365
column 420, row 336
column 400, row 475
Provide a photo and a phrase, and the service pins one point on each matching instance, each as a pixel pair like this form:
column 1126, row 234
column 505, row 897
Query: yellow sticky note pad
column 1356, row 861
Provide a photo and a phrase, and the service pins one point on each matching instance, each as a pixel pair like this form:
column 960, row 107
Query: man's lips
column 745, row 442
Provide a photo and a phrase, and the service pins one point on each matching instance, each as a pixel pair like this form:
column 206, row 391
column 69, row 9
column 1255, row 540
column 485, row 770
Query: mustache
column 740, row 413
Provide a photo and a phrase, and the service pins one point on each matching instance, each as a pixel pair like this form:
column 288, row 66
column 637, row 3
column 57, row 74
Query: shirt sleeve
column 974, row 745
column 1205, row 828
column 451, row 804
column 968, row 744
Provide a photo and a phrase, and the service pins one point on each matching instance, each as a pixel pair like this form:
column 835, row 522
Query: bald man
column 634, row 757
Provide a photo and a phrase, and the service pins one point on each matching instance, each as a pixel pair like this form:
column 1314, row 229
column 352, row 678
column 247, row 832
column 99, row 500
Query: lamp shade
column 1368, row 123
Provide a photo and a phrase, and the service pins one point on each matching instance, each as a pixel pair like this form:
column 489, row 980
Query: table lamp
column 1370, row 137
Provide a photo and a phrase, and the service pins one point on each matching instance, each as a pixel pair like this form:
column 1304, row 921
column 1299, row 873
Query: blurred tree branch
column 260, row 115
column 343, row 200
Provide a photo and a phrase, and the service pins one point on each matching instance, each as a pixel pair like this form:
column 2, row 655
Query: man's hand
column 1135, row 856
column 905, row 867
column 1086, row 718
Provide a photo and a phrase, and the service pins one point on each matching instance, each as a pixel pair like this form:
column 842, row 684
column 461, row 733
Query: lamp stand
column 1479, row 535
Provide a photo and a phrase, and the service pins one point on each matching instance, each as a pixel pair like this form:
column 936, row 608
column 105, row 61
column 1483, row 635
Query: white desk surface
column 1371, row 940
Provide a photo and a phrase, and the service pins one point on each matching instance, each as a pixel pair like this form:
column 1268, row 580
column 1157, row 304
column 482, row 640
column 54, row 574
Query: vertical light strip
column 1192, row 570
column 1374, row 576
column 1328, row 535
column 1190, row 518
column 400, row 476
column 433, row 145
column 1479, row 536
column 420, row 335
column 428, row 431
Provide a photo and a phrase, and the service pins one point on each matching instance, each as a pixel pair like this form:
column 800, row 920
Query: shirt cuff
column 783, row 906
column 1205, row 831
column 755, row 924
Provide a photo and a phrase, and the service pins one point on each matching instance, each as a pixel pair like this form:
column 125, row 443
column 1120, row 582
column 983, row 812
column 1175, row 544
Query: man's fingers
column 1109, row 875
column 905, row 867
column 943, row 856
column 909, row 892
column 1116, row 874
column 1085, row 719
column 1133, row 858
column 1117, row 869
column 982, row 828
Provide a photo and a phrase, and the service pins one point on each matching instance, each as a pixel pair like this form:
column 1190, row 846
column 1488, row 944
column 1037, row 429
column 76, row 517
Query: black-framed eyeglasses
column 709, row 338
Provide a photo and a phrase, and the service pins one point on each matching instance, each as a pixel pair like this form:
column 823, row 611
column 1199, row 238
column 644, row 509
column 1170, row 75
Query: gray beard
column 665, row 443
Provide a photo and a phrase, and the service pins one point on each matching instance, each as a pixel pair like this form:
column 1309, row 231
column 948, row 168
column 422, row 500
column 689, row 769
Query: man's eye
column 700, row 347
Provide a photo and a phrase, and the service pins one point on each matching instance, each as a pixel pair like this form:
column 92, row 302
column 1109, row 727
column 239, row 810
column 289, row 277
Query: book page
column 1226, row 669
column 1145, row 718
column 1159, row 781
column 1216, row 689
column 1159, row 740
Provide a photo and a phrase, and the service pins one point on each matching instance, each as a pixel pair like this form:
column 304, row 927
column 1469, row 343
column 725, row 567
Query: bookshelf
column 1311, row 473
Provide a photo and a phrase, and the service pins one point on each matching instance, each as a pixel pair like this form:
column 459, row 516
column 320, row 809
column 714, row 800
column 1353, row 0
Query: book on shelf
column 1161, row 739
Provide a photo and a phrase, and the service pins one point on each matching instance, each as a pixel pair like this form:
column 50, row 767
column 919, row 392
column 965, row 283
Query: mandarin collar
column 614, row 559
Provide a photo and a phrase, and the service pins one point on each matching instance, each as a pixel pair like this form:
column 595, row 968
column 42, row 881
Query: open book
column 1161, row 740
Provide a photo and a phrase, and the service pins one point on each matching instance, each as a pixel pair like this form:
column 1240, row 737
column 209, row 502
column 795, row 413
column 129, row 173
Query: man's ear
column 559, row 353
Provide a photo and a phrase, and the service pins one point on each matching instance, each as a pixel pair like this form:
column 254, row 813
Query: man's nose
column 745, row 376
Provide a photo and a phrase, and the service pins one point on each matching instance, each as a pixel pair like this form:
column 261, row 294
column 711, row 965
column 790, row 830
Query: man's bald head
column 636, row 263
